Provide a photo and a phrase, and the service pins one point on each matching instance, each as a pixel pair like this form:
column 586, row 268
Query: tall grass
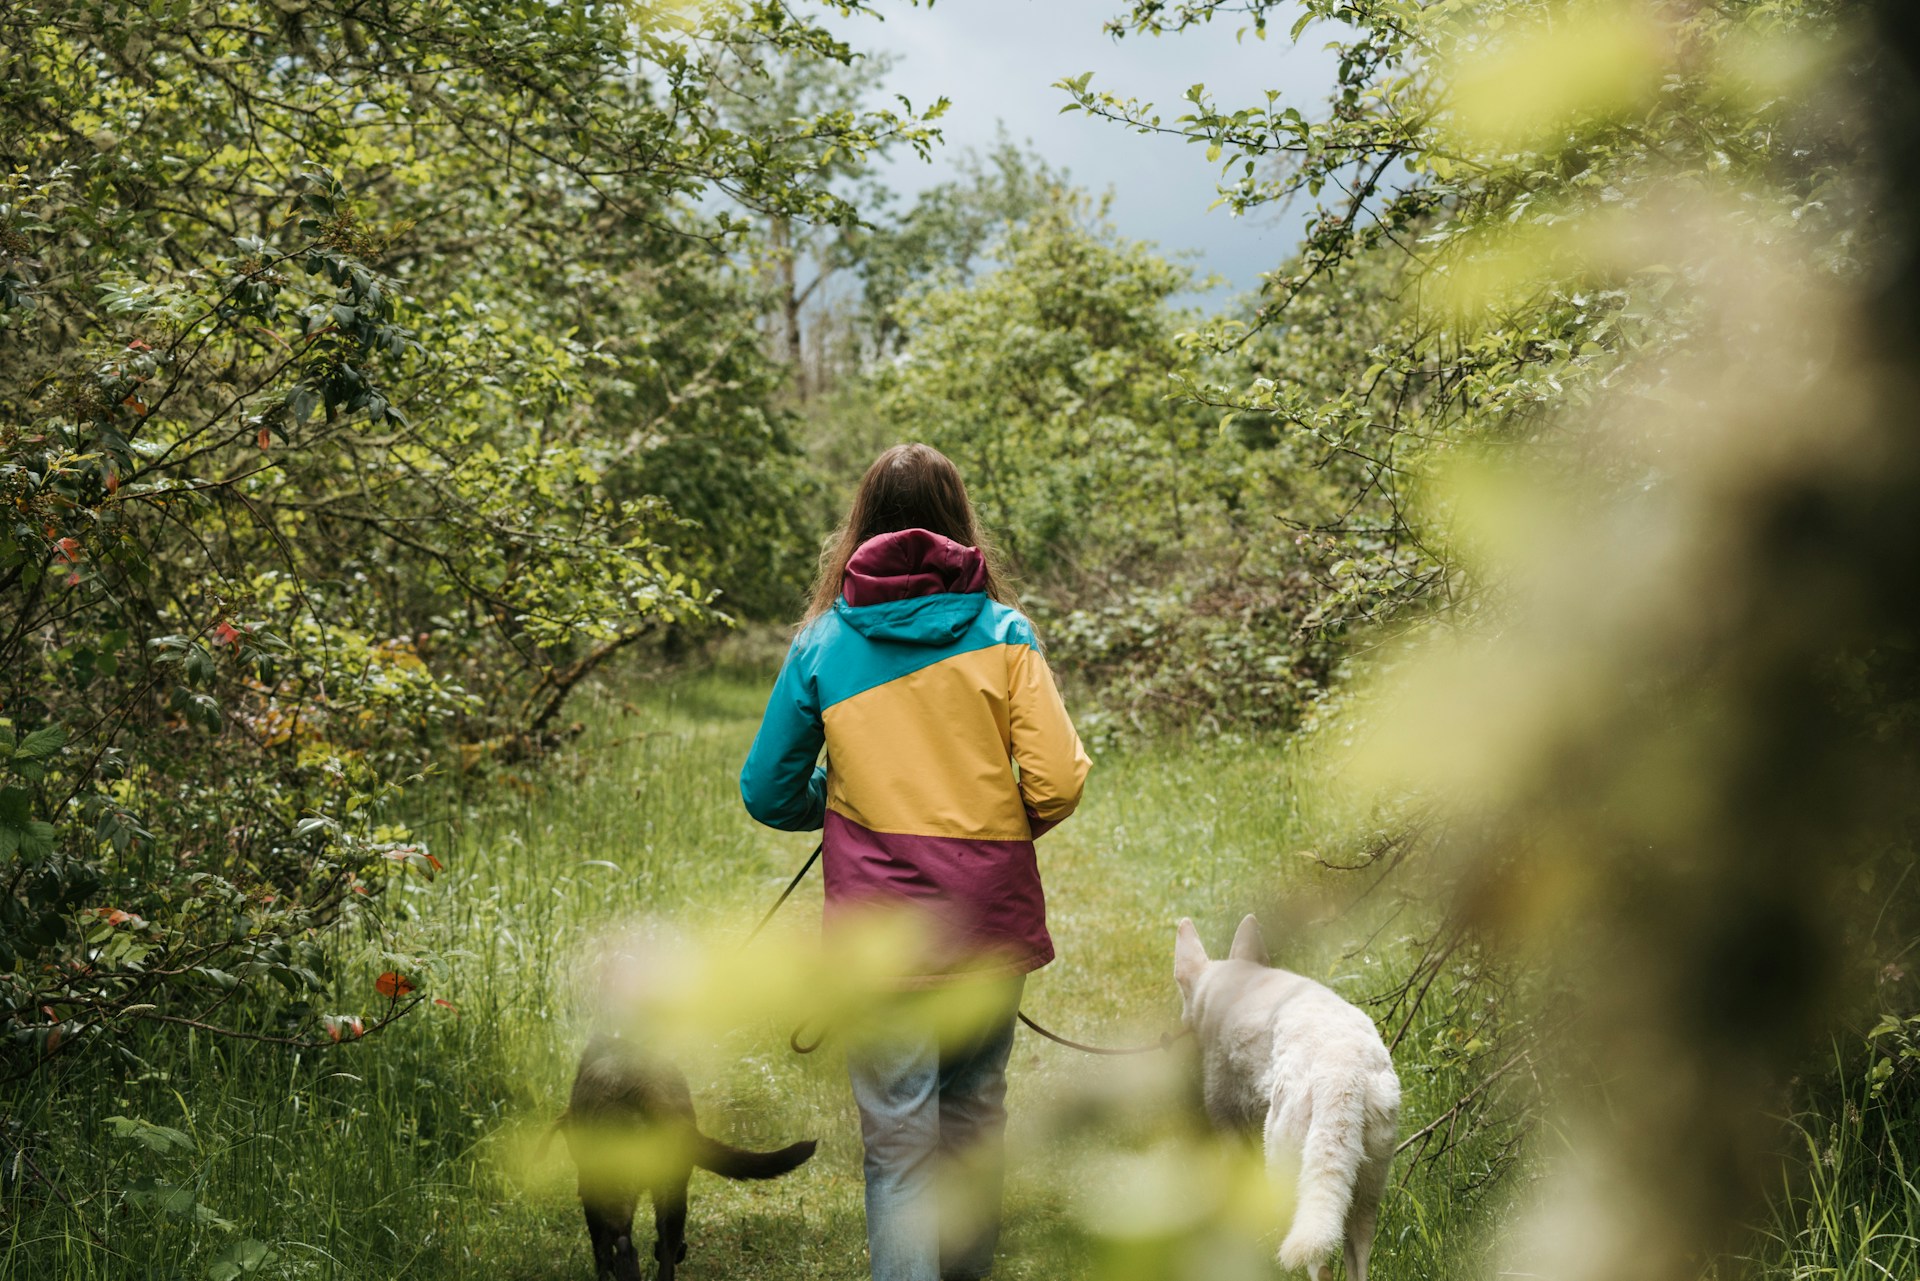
column 409, row 1154
column 1847, row 1208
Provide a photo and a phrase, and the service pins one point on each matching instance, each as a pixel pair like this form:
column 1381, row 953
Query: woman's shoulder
column 1007, row 625
column 816, row 634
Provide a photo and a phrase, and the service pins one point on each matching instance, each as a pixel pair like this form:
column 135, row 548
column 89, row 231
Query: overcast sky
column 997, row 61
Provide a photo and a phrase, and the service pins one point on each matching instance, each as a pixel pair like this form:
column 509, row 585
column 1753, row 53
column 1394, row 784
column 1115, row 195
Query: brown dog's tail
column 730, row 1162
column 544, row 1144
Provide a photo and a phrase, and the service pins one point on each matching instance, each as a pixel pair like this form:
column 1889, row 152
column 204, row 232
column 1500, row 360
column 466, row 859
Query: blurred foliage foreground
column 1671, row 752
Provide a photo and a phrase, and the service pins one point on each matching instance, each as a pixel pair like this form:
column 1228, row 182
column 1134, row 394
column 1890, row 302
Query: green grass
column 1848, row 1209
column 405, row 1155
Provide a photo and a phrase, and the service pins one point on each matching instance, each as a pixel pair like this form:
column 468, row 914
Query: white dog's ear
column 1189, row 956
column 1248, row 945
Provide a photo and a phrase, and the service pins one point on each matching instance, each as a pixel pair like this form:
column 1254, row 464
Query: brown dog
column 630, row 1128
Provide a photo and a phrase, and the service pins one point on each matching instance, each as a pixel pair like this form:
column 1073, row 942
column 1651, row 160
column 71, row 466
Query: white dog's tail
column 1329, row 1164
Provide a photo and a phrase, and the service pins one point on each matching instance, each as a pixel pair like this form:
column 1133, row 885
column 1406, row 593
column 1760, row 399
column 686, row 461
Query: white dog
column 1284, row 1055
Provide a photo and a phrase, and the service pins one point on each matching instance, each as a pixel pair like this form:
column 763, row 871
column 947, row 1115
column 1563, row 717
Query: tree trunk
column 790, row 303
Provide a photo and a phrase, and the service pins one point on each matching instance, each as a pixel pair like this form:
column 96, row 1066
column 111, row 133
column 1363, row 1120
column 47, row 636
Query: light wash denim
column 934, row 1121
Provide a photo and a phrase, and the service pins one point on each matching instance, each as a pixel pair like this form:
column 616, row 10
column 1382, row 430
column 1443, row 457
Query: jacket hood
column 913, row 586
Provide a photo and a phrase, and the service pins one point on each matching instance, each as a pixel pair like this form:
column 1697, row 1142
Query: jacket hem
column 953, row 978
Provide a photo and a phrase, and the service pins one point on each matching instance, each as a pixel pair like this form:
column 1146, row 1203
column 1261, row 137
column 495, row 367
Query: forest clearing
column 1450, row 477
column 408, row 1155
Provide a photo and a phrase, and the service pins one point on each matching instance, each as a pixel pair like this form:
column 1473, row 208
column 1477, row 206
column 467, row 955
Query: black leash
column 787, row 893
column 795, row 1044
column 1165, row 1042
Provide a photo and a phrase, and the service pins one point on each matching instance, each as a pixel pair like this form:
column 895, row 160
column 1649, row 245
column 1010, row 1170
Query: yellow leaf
column 1543, row 82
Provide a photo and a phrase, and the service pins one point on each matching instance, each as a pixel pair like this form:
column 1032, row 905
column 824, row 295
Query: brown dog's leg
column 610, row 1226
column 670, row 1226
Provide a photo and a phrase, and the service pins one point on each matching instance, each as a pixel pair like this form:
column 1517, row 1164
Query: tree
column 764, row 97
column 945, row 234
column 333, row 332
column 1137, row 519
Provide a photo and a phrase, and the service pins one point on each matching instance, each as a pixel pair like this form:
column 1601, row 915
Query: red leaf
column 226, row 634
column 437, row 865
column 69, row 549
column 137, row 345
column 118, row 917
column 73, row 580
column 113, row 480
column 137, row 405
column 265, row 438
column 446, row 1004
column 393, row 985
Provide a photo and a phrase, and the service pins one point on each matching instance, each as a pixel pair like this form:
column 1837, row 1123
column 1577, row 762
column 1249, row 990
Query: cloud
column 998, row 59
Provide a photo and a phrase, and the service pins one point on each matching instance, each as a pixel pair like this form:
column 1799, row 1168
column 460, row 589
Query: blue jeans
column 933, row 1118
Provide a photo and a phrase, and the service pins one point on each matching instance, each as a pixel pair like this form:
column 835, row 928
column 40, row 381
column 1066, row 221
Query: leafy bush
column 1218, row 648
column 372, row 375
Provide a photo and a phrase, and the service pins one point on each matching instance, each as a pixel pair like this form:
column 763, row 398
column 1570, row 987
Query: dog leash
column 1165, row 1042
column 787, row 893
column 793, row 1040
column 794, row 1043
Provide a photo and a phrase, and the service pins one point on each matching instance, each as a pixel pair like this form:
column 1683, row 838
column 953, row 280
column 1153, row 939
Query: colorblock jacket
column 926, row 695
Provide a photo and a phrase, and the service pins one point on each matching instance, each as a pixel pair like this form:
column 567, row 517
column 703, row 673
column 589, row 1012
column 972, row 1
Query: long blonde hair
column 908, row 487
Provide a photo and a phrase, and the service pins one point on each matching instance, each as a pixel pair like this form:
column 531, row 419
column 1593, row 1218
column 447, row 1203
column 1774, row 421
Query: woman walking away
column 927, row 689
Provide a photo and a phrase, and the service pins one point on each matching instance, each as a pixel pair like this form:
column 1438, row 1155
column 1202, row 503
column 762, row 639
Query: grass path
column 402, row 1156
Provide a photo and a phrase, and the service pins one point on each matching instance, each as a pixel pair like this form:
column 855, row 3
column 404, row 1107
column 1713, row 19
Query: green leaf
column 41, row 743
column 242, row 1258
column 302, row 403
column 36, row 839
column 155, row 1138
column 149, row 1193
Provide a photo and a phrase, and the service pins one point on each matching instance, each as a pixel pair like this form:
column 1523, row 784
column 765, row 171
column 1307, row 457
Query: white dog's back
column 1286, row 1055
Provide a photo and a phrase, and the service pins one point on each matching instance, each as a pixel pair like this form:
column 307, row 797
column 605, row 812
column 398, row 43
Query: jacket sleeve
column 780, row 783
column 1053, row 765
